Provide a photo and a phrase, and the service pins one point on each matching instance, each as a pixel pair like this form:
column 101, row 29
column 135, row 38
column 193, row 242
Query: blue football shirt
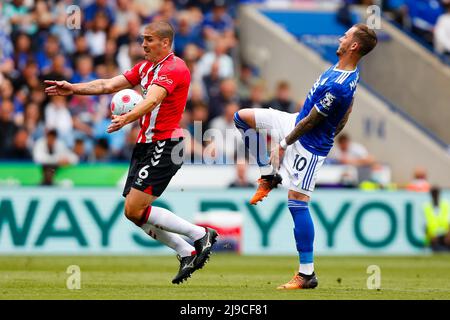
column 332, row 96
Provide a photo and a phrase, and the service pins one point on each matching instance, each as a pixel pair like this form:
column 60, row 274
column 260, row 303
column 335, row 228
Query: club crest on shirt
column 327, row 101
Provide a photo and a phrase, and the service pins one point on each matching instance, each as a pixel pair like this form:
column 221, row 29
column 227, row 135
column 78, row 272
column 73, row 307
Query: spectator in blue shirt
column 84, row 70
column 219, row 24
column 98, row 6
column 186, row 33
column 397, row 9
column 22, row 50
column 423, row 15
column 44, row 57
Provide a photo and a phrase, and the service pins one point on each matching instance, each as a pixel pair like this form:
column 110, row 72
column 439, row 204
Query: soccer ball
column 124, row 101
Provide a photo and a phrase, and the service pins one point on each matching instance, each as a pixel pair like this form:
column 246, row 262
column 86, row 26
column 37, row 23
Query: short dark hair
column 366, row 37
column 163, row 29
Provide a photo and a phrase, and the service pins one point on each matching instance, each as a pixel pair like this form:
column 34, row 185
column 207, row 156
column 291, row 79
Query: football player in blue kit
column 304, row 140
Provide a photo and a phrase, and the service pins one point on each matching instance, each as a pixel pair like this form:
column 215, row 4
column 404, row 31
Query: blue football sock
column 303, row 230
column 255, row 143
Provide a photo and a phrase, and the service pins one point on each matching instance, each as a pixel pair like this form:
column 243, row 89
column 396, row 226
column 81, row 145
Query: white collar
column 161, row 61
column 340, row 70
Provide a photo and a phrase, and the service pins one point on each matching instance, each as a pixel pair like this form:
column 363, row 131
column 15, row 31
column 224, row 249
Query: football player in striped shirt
column 164, row 79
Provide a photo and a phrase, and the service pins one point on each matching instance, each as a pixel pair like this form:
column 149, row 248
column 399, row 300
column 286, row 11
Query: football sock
column 172, row 240
column 304, row 234
column 256, row 144
column 168, row 221
column 306, row 268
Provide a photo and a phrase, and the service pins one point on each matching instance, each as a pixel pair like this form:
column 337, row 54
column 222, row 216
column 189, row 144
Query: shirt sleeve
column 169, row 77
column 329, row 100
column 133, row 75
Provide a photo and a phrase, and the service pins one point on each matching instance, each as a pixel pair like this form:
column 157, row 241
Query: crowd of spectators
column 429, row 20
column 41, row 40
column 47, row 39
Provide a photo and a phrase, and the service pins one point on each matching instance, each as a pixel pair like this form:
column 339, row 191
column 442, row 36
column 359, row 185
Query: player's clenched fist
column 58, row 88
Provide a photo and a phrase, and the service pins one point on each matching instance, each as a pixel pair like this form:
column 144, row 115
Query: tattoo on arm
column 91, row 88
column 341, row 125
column 306, row 124
column 102, row 86
column 344, row 120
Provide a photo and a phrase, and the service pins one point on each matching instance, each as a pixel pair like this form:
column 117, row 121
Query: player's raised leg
column 304, row 239
column 256, row 143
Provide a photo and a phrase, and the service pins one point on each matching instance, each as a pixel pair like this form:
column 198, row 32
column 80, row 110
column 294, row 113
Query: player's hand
column 58, row 88
column 276, row 156
column 117, row 122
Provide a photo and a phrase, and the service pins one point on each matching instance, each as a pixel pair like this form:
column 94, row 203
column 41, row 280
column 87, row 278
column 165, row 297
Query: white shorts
column 299, row 167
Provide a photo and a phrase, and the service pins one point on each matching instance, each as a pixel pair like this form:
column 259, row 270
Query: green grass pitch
column 226, row 276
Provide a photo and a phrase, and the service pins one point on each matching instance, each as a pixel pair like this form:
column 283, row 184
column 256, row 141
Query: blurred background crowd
column 47, row 39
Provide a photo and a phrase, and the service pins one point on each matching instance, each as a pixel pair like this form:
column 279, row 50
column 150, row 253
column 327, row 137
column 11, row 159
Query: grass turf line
column 226, row 276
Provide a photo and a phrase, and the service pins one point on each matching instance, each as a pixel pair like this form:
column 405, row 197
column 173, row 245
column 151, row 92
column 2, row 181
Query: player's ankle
column 267, row 170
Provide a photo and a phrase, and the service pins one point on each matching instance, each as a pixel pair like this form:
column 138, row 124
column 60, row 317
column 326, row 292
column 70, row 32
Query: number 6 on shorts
column 143, row 173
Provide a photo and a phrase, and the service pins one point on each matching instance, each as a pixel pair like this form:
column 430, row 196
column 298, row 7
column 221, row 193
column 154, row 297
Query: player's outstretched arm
column 155, row 96
column 99, row 86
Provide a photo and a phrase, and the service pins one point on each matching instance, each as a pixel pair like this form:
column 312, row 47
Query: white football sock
column 306, row 268
column 172, row 240
column 168, row 221
column 267, row 170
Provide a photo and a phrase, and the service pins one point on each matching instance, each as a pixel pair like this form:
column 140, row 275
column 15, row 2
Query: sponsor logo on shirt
column 164, row 78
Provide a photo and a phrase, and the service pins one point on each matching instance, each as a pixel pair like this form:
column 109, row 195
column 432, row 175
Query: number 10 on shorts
column 299, row 163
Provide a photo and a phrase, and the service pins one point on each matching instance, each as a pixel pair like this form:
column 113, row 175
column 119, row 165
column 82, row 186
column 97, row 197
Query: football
column 124, row 101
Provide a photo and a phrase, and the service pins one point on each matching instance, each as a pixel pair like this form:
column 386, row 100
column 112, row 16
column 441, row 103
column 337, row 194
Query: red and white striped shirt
column 172, row 74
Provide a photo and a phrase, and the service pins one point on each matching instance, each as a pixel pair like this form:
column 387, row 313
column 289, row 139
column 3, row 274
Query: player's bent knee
column 294, row 195
column 136, row 204
column 133, row 213
column 129, row 213
column 245, row 119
